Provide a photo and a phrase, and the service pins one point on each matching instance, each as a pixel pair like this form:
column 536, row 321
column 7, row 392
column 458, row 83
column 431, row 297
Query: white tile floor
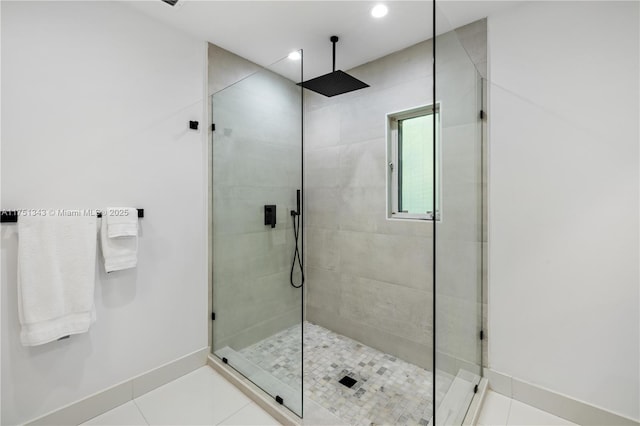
column 497, row 410
column 202, row 397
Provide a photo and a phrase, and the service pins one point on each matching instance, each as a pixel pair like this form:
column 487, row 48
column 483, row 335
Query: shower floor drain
column 348, row 381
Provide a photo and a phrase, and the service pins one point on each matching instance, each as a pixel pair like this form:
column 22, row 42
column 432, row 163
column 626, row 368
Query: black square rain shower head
column 334, row 83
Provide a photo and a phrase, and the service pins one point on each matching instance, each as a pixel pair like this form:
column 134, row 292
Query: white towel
column 56, row 276
column 120, row 252
column 122, row 222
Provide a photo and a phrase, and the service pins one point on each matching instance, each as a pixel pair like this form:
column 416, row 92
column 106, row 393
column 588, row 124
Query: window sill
column 411, row 217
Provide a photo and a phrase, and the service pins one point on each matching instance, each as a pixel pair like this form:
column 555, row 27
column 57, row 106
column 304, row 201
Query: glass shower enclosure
column 384, row 325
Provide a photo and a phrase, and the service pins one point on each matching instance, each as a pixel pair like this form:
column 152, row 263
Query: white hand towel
column 120, row 252
column 122, row 222
column 56, row 276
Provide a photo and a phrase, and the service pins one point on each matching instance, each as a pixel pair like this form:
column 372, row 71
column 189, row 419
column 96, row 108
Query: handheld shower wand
column 296, row 254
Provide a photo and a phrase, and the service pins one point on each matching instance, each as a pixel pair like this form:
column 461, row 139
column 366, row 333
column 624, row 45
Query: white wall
column 96, row 100
column 563, row 204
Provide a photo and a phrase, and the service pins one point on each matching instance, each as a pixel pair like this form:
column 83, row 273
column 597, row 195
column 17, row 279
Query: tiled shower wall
column 370, row 278
column 255, row 161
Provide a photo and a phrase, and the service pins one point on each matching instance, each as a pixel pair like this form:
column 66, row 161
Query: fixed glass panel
column 256, row 176
column 460, row 59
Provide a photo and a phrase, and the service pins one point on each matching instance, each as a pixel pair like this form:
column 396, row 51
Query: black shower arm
column 334, row 40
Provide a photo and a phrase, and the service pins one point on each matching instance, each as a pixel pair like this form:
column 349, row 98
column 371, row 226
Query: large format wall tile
column 320, row 127
column 361, row 208
column 321, row 167
column 321, row 207
column 323, row 289
column 398, row 259
column 386, row 72
column 392, row 308
column 363, row 164
column 325, row 246
column 363, row 114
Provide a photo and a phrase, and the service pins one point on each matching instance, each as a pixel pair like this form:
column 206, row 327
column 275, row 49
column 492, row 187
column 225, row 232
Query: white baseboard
column 555, row 403
column 110, row 398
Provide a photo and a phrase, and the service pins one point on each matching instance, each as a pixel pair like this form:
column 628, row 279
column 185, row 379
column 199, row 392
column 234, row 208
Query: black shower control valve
column 270, row 215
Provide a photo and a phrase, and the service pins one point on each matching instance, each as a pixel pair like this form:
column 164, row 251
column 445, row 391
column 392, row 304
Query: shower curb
column 473, row 413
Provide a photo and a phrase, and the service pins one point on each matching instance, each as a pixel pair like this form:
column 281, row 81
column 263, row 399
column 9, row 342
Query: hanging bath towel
column 56, row 276
column 119, row 238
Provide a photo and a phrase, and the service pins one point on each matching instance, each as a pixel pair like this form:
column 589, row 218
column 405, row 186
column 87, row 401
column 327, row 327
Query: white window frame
column 392, row 161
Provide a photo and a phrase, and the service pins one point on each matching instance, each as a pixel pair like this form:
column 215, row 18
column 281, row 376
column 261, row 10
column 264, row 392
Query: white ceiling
column 266, row 31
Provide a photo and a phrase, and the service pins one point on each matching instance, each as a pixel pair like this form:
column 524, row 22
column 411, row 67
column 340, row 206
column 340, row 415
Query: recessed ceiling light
column 295, row 55
column 379, row 11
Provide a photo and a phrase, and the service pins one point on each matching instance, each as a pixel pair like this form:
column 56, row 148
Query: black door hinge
column 226, row 361
column 279, row 400
column 213, row 127
column 482, row 115
column 475, row 389
column 481, row 334
column 213, row 316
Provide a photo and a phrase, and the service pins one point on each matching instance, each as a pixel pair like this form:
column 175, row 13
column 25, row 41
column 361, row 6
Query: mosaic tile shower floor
column 388, row 390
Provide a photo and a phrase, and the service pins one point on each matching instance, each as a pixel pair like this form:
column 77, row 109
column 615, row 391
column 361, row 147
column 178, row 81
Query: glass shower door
column 257, row 170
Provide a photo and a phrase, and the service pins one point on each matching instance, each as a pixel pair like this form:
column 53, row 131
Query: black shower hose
column 296, row 253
